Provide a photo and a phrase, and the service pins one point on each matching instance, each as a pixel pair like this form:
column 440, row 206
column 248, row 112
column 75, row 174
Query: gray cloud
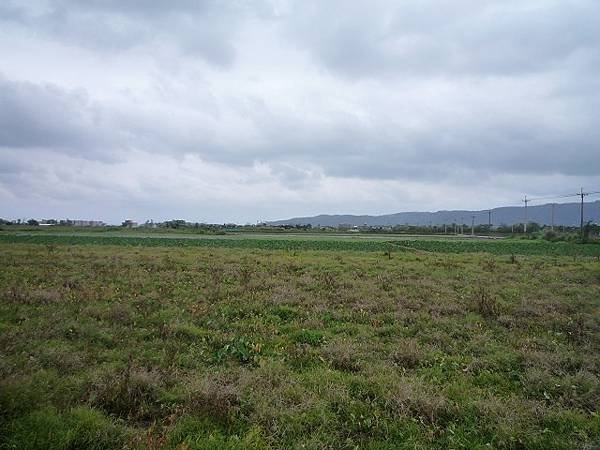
column 201, row 28
column 431, row 37
column 194, row 103
column 34, row 115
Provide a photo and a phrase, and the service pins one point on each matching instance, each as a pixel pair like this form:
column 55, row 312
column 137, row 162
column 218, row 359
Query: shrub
column 485, row 304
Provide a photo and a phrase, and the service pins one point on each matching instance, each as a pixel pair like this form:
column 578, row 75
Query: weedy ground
column 207, row 348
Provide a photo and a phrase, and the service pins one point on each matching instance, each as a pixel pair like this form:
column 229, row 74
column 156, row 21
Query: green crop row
column 503, row 247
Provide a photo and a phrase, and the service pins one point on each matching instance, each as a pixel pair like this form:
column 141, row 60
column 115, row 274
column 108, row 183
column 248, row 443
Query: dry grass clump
column 120, row 313
column 329, row 281
column 63, row 359
column 579, row 329
column 509, row 421
column 217, row 396
column 18, row 294
column 411, row 399
column 484, row 303
column 276, row 398
column 578, row 391
column 46, row 296
column 131, row 394
column 343, row 355
column 408, row 354
column 558, row 364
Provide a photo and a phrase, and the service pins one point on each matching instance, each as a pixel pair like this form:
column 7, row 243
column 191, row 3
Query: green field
column 271, row 343
column 314, row 242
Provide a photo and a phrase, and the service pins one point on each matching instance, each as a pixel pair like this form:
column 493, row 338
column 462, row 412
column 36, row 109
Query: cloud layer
column 255, row 110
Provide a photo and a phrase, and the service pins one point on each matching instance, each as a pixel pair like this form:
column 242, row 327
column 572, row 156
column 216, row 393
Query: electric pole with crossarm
column 581, row 194
column 525, row 200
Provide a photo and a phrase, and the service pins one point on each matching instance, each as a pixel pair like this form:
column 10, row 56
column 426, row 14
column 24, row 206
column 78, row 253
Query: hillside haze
column 567, row 214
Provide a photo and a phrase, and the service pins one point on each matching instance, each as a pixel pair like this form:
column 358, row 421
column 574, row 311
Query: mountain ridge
column 567, row 214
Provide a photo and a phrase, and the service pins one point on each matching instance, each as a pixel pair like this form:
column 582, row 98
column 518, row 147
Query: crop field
column 237, row 343
column 318, row 242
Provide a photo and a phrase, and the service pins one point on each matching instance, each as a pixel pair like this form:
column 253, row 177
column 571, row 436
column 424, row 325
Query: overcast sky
column 248, row 110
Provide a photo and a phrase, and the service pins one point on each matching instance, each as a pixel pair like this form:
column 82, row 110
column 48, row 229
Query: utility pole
column 490, row 219
column 472, row 225
column 552, row 222
column 581, row 194
column 525, row 224
column 462, row 222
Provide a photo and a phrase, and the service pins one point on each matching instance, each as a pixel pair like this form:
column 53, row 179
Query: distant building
column 72, row 223
column 88, row 223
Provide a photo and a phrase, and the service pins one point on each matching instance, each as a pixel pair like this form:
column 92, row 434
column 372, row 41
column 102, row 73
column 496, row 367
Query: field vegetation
column 324, row 242
column 187, row 344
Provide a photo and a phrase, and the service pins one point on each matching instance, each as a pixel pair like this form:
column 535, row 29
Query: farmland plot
column 376, row 244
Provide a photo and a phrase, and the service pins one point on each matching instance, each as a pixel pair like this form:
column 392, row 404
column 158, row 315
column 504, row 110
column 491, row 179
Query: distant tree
column 33, row 222
column 128, row 223
column 175, row 224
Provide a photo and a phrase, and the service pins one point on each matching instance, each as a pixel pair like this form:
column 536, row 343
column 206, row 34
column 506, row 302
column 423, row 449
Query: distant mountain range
column 564, row 214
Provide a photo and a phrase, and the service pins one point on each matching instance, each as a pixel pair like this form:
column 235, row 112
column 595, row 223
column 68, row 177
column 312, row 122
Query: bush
column 485, row 304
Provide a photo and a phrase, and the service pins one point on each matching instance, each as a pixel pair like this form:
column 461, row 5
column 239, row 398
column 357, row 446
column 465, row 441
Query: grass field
column 166, row 343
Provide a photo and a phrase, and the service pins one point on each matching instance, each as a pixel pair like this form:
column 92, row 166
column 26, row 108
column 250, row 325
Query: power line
column 580, row 194
column 552, row 197
column 533, row 199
